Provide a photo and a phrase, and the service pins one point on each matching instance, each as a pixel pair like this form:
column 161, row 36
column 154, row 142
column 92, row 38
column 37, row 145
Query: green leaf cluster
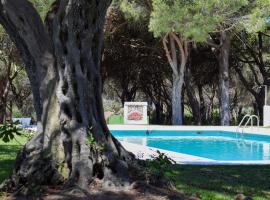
column 9, row 131
column 159, row 164
column 134, row 10
column 92, row 142
column 257, row 18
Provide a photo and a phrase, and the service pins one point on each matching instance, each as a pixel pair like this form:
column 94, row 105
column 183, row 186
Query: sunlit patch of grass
column 8, row 153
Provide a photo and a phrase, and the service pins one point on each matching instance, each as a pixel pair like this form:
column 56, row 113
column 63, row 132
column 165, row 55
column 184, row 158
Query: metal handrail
column 250, row 119
column 240, row 124
column 247, row 115
column 257, row 118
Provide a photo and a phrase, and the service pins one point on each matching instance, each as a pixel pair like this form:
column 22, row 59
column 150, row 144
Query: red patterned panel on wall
column 135, row 113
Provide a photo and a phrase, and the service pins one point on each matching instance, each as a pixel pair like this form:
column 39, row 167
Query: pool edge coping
column 254, row 130
column 186, row 159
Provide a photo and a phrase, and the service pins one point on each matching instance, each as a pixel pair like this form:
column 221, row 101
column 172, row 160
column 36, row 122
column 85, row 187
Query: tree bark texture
column 176, row 48
column 223, row 59
column 193, row 101
column 177, row 114
column 63, row 64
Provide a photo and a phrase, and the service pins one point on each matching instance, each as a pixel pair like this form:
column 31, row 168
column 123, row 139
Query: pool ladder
column 250, row 119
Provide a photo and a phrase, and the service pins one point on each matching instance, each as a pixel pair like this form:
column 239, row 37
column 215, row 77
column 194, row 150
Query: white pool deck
column 144, row 152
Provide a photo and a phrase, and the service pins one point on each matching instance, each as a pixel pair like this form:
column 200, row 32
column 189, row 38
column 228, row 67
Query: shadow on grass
column 8, row 154
column 223, row 182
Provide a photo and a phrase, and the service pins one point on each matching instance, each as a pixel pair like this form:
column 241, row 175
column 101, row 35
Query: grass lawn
column 223, row 182
column 8, row 152
column 209, row 182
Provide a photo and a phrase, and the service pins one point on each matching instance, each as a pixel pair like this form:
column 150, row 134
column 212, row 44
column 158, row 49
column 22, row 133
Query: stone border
column 144, row 152
column 254, row 130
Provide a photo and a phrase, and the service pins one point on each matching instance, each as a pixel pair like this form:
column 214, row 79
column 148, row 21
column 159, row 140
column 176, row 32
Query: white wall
column 266, row 115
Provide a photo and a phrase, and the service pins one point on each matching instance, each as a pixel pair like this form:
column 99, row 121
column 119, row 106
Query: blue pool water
column 216, row 145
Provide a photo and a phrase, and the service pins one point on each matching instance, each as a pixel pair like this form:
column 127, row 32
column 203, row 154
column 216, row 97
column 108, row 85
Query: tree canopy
column 196, row 19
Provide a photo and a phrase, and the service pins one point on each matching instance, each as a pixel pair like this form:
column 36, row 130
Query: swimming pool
column 214, row 145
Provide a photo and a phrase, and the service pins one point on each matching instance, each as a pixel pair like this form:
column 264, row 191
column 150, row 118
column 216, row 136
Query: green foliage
column 215, row 118
column 134, row 10
column 9, row 131
column 159, row 164
column 257, row 19
column 194, row 19
column 16, row 113
column 91, row 142
column 42, row 6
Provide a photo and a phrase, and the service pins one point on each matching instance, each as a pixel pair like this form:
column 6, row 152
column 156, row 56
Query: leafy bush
column 9, row 131
column 16, row 113
column 188, row 120
column 157, row 167
column 215, row 118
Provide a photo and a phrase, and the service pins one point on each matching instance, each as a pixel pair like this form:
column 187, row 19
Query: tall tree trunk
column 64, row 72
column 158, row 114
column 223, row 59
column 177, row 116
column 5, row 88
column 2, row 112
column 258, row 107
column 193, row 102
column 177, row 57
column 202, row 104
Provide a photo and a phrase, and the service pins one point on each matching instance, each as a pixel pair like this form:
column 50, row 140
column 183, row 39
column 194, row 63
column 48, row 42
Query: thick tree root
column 35, row 168
column 32, row 169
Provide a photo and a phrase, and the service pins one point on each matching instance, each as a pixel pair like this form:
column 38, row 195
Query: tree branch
column 168, row 55
column 183, row 47
column 212, row 43
column 25, row 28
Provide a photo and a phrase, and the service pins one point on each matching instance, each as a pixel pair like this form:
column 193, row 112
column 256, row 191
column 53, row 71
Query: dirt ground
column 142, row 192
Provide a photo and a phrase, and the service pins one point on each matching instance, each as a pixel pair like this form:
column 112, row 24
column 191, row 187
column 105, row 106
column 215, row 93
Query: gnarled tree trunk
column 63, row 65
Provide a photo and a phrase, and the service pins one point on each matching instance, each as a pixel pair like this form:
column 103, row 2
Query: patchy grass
column 8, row 152
column 222, row 182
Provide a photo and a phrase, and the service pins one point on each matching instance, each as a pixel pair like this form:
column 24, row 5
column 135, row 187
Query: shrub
column 9, row 131
column 157, row 167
